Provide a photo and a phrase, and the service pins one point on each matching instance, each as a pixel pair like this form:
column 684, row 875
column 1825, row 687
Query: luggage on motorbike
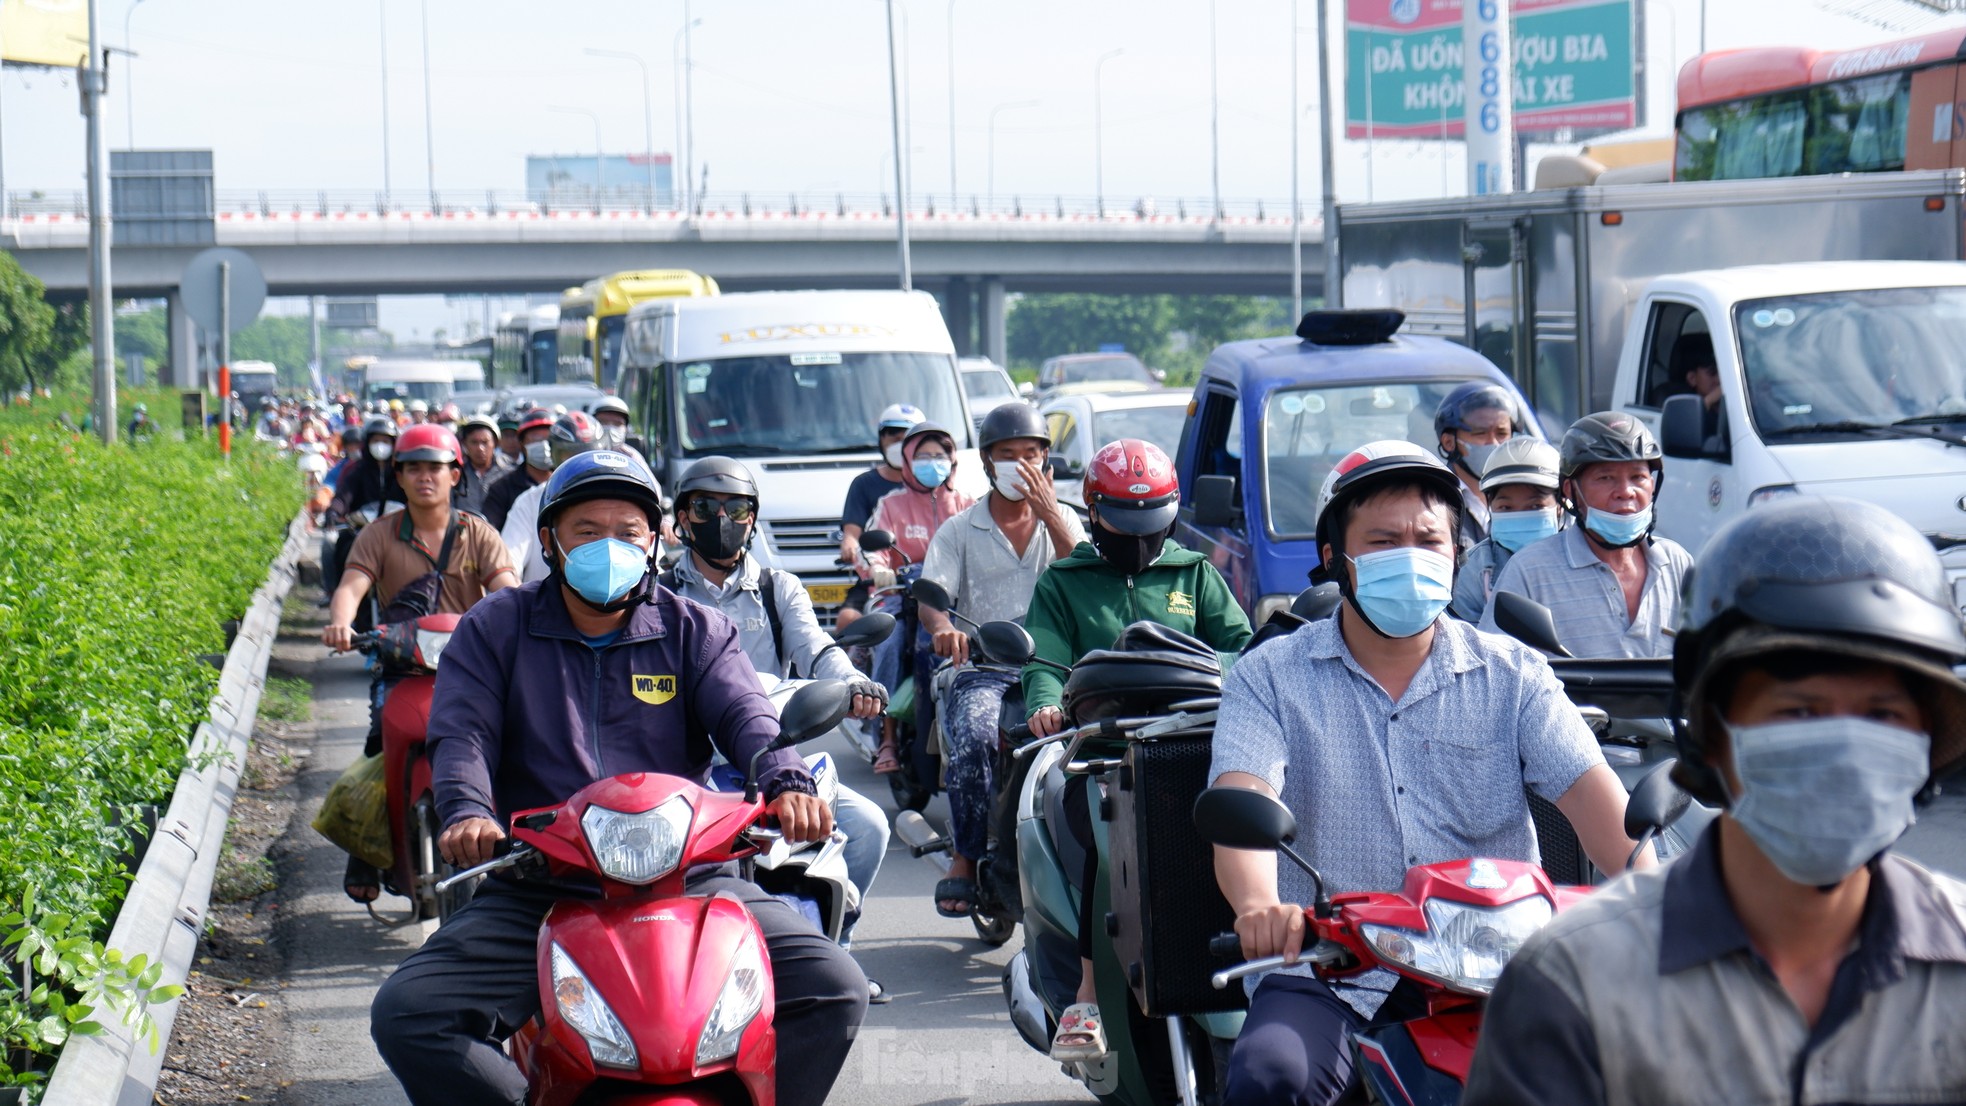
column 1149, row 669
column 355, row 814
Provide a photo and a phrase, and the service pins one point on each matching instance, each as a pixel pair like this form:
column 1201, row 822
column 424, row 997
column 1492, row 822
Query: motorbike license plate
column 827, row 595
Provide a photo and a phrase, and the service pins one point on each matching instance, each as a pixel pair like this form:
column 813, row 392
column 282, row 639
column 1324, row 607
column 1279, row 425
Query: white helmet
column 1363, row 466
column 901, row 416
column 419, row 407
column 1521, row 460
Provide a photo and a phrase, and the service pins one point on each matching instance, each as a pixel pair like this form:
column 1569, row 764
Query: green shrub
column 117, row 566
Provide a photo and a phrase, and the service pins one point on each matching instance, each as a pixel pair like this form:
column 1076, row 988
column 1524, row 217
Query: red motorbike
column 412, row 649
column 1451, row 930
column 649, row 994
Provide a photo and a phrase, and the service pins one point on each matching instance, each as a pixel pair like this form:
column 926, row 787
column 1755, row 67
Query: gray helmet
column 477, row 422
column 1475, row 395
column 1607, row 436
column 1015, row 419
column 380, row 424
column 1819, row 575
column 1522, row 460
column 717, row 476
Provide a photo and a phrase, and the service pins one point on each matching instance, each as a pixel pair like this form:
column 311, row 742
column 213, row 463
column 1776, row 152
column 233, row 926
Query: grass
column 287, row 699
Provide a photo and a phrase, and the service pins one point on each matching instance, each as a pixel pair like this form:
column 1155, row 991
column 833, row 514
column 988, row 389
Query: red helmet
column 1133, row 485
column 537, row 418
column 427, row 442
column 573, row 432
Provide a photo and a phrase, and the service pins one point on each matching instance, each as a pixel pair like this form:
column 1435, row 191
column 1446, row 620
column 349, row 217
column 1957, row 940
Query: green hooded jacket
column 1082, row 603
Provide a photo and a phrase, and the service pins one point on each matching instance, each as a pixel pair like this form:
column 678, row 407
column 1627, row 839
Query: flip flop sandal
column 886, row 763
column 960, row 889
column 361, row 876
column 1081, row 1035
column 876, row 994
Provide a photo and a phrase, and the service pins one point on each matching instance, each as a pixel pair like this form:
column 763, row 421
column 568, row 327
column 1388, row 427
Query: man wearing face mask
column 483, row 463
column 1471, row 422
column 535, row 426
column 866, row 491
column 1611, row 584
column 1397, row 738
column 1519, row 483
column 572, row 433
column 1129, row 571
column 1790, row 956
column 537, row 698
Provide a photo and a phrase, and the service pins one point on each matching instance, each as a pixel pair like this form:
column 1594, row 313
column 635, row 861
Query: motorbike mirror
column 1006, row 642
column 1656, row 802
column 1317, row 602
column 868, row 629
column 1238, row 818
column 811, row 711
column 931, row 594
column 875, row 541
column 1529, row 622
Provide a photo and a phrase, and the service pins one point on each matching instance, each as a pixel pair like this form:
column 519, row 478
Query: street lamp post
column 689, row 110
column 382, row 10
column 1327, row 171
column 600, row 155
column 900, row 157
column 1013, row 105
column 952, row 105
column 129, row 86
column 678, row 57
column 1099, row 133
column 1214, row 118
column 1296, row 210
column 648, row 117
column 429, row 132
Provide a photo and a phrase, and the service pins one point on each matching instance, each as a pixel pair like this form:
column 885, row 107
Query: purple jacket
column 525, row 713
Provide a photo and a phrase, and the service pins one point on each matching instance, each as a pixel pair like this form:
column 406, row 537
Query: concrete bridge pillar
column 182, row 361
column 990, row 321
column 959, row 311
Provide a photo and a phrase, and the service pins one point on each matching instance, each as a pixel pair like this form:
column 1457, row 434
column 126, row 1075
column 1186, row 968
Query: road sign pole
column 225, row 358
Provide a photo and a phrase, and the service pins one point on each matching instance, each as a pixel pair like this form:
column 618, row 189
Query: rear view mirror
column 1216, row 501
column 1656, row 802
column 869, row 629
column 1529, row 622
column 875, row 541
column 811, row 711
column 1683, row 430
column 931, row 595
column 1317, row 602
column 1061, row 469
column 1238, row 818
column 1006, row 643
column 1027, row 389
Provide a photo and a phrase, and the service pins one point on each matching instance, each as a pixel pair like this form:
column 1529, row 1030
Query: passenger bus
column 595, row 315
column 1786, row 111
column 524, row 350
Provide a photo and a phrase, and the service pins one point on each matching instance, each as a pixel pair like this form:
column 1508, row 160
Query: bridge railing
column 344, row 204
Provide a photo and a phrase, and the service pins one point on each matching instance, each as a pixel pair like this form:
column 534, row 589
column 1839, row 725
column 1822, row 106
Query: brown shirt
column 388, row 553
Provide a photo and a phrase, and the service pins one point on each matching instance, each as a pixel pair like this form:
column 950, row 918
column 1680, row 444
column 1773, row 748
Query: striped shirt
column 1588, row 603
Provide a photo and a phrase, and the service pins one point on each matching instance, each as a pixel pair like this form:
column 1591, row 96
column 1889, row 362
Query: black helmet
column 572, row 433
column 600, row 474
column 351, row 436
column 718, row 476
column 1607, row 436
column 1821, row 575
column 380, row 424
column 1015, row 419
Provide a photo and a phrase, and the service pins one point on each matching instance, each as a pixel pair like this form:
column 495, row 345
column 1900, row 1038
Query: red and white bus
column 1794, row 112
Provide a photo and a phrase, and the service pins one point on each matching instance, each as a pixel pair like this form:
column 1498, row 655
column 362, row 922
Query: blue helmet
column 600, row 474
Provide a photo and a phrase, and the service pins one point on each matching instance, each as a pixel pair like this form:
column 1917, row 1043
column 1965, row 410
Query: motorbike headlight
column 740, row 1000
column 1465, row 946
column 583, row 1008
column 430, row 646
column 638, row 848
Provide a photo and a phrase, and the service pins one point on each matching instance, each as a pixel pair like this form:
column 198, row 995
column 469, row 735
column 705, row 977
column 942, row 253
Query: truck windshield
column 407, row 390
column 1851, row 360
column 808, row 403
column 1123, row 368
column 1308, row 430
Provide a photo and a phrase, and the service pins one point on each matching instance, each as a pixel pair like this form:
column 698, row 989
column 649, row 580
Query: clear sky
column 791, row 95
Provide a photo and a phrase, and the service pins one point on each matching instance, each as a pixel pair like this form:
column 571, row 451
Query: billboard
column 617, row 179
column 44, row 32
column 1574, row 67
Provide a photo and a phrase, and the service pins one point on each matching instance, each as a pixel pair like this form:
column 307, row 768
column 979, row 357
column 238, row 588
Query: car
column 1103, row 369
column 474, row 403
column 1081, row 423
column 575, row 397
column 1273, row 415
column 986, row 385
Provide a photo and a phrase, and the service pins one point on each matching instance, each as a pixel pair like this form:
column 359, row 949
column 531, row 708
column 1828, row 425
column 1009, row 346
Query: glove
column 869, row 688
column 883, row 577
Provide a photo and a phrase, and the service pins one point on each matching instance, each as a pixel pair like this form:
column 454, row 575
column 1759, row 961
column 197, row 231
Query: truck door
column 1678, row 359
column 1217, row 450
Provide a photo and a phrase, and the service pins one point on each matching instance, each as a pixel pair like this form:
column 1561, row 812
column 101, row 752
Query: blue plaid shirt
column 1378, row 786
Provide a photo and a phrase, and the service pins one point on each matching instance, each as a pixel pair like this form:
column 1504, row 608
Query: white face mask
column 892, row 454
column 1010, row 480
column 382, row 450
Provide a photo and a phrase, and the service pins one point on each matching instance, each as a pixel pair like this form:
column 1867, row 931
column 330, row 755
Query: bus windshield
column 1855, row 360
column 612, row 328
column 807, row 403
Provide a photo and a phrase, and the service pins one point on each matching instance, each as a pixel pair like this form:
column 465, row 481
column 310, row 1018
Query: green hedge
column 117, row 566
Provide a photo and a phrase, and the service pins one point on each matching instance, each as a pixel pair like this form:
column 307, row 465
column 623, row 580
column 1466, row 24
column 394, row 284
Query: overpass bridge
column 970, row 255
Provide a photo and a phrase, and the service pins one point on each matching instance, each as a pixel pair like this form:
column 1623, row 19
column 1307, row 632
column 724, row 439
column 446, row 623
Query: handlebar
column 506, row 854
column 1324, row 953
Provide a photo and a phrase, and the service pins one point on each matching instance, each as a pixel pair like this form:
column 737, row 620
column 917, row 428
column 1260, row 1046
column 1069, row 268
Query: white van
column 1836, row 378
column 791, row 383
column 253, row 379
column 389, row 378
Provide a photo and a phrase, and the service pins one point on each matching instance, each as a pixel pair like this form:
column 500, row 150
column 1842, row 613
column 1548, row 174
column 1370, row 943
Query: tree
column 26, row 329
column 1042, row 326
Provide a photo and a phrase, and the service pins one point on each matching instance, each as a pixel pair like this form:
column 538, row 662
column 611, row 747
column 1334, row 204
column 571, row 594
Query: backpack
column 767, row 590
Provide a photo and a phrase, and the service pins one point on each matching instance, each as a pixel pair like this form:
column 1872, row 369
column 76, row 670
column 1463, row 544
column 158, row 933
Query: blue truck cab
column 1269, row 419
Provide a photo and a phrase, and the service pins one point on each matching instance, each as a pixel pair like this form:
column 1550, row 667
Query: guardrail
column 164, row 911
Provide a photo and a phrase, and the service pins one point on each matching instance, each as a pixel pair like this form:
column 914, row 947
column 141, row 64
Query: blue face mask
column 1617, row 531
column 603, row 571
column 1514, row 529
column 1401, row 591
column 931, row 474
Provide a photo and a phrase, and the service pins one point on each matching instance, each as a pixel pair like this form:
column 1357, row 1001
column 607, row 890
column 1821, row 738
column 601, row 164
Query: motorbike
column 675, row 1013
column 413, row 648
column 920, row 776
column 1447, row 933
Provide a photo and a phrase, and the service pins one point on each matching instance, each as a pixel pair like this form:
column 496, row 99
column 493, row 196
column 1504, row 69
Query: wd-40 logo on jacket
column 655, row 690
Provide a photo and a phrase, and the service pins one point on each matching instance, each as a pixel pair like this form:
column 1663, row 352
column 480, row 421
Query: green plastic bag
column 355, row 814
column 901, row 704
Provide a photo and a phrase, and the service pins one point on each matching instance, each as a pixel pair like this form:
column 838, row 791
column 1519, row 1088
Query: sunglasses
column 703, row 508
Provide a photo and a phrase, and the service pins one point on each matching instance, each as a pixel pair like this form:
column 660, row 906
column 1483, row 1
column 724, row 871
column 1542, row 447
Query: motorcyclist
column 866, row 491
column 613, row 415
column 571, row 433
column 1519, row 484
column 509, row 448
column 140, row 424
column 1397, row 738
column 534, row 426
column 483, row 463
column 1129, row 570
column 418, row 410
column 1612, row 585
column 1791, row 955
column 428, row 538
column 371, row 479
column 535, row 700
column 1471, row 422
column 988, row 559
column 350, row 455
column 716, row 510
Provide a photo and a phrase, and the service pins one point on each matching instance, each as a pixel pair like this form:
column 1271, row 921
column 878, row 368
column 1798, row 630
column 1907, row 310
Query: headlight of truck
column 638, row 848
column 1465, row 946
column 584, row 1009
column 1761, row 497
column 740, row 1000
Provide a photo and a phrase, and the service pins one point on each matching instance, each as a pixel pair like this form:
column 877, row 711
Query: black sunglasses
column 703, row 508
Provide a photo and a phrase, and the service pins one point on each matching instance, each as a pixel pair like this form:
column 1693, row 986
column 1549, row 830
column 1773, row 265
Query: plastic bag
column 901, row 703
column 355, row 814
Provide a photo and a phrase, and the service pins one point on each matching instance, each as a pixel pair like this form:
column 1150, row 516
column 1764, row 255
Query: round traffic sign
column 198, row 288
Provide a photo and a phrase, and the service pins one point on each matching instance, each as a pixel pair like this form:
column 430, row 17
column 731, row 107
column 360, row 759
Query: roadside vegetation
column 118, row 566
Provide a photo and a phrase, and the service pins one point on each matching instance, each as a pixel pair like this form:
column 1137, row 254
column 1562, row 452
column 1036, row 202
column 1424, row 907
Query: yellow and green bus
column 594, row 316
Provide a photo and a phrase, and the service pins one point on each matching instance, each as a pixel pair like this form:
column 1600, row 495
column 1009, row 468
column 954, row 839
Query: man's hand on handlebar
column 869, row 698
column 469, row 843
column 1274, row 930
column 339, row 637
column 953, row 644
column 1047, row 721
column 882, row 576
column 801, row 817
column 850, row 550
